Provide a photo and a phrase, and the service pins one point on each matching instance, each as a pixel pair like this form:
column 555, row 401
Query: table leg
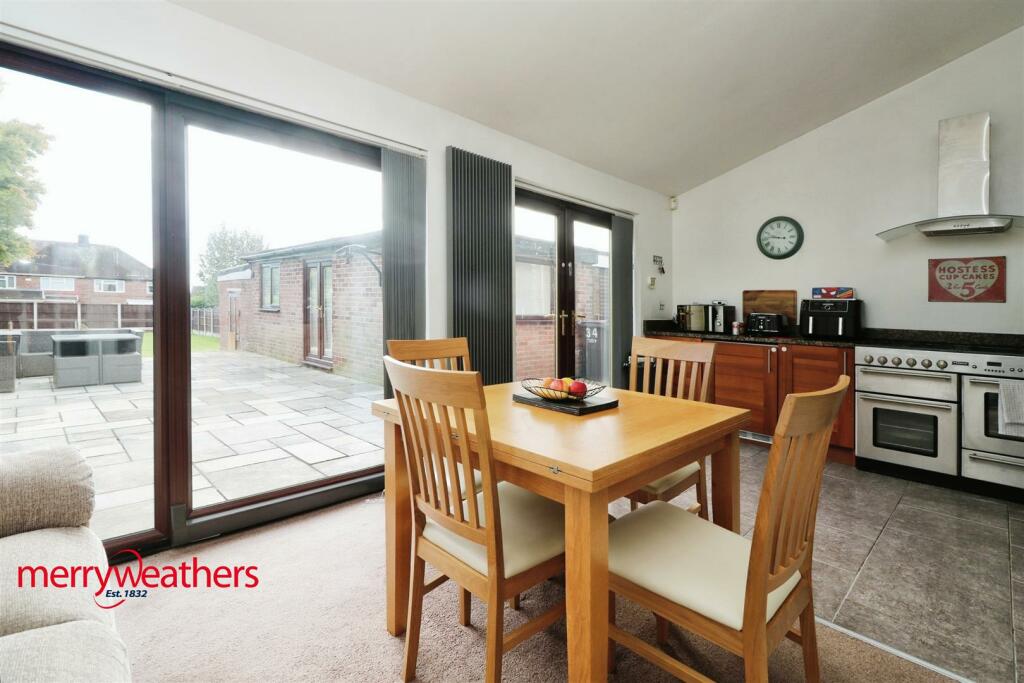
column 586, row 582
column 725, row 484
column 398, row 525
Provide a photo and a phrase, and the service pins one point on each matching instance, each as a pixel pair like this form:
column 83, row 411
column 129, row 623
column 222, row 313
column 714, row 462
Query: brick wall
column 358, row 319
column 85, row 290
column 535, row 347
column 357, row 326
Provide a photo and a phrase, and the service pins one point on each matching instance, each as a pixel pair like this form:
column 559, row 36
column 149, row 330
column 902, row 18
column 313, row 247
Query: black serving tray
column 584, row 407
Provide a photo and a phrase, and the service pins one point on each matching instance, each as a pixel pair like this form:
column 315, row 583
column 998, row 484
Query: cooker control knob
column 882, row 360
column 942, row 364
column 869, row 359
column 926, row 363
column 897, row 361
column 911, row 362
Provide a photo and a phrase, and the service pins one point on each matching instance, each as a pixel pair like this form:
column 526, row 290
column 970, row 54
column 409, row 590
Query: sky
column 98, row 177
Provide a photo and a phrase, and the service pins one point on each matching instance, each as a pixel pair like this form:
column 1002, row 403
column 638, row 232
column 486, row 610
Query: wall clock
column 780, row 237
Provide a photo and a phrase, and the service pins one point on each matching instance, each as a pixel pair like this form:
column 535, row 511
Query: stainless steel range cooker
column 938, row 411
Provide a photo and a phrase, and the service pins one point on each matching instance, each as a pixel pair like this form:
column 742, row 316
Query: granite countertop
column 967, row 342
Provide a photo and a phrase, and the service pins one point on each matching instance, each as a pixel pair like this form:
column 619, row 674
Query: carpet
column 318, row 615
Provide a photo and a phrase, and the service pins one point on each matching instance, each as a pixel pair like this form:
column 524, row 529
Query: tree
column 20, row 189
column 224, row 249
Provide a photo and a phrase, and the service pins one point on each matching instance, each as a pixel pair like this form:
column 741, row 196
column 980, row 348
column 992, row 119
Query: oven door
column 981, row 418
column 907, row 431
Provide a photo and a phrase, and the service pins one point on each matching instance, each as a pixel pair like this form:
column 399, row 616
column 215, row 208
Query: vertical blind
column 404, row 181
column 481, row 200
column 622, row 297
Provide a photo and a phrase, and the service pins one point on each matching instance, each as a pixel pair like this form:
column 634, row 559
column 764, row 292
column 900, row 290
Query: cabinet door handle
column 845, row 354
column 772, row 349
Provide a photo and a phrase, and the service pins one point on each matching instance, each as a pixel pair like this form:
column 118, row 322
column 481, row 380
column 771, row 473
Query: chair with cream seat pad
column 677, row 369
column 742, row 595
column 494, row 544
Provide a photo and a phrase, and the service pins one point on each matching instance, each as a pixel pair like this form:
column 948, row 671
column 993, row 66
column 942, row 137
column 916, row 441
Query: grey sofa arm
column 43, row 489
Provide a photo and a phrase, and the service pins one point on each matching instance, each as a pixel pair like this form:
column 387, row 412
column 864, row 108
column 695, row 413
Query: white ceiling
column 666, row 95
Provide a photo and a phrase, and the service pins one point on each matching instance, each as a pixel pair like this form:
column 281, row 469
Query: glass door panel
column 285, row 218
column 78, row 210
column 592, row 289
column 536, row 293
column 313, row 311
column 327, row 313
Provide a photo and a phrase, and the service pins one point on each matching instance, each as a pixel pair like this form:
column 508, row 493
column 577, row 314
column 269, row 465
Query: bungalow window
column 271, row 286
column 57, row 284
column 149, row 287
column 8, row 282
column 109, row 286
column 534, row 289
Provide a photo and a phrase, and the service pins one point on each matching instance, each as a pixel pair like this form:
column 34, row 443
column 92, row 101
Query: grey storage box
column 76, row 360
column 87, row 359
column 8, row 360
column 120, row 359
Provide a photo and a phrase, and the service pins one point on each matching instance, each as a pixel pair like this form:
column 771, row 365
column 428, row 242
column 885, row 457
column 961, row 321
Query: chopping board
column 770, row 301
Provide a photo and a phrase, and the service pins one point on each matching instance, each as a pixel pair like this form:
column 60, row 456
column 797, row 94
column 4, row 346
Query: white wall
column 159, row 37
column 871, row 169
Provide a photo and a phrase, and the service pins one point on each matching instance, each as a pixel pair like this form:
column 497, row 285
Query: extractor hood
column 963, row 183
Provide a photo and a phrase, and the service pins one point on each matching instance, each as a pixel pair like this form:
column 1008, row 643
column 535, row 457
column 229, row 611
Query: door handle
column 943, row 377
column 561, row 317
column 1015, row 462
column 903, row 401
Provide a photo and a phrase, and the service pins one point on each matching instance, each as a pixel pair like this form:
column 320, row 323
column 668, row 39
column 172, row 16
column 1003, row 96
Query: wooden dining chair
column 742, row 595
column 495, row 544
column 441, row 354
column 676, row 369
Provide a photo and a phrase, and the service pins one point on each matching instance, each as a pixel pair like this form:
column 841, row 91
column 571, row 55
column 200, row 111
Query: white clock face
column 779, row 238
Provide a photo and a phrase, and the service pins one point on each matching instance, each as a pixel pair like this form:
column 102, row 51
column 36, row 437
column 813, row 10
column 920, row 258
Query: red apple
column 578, row 388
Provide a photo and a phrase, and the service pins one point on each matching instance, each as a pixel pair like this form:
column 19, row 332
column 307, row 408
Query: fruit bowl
column 536, row 387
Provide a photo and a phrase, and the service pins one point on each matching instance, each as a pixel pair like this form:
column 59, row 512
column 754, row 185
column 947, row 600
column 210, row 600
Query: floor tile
column 372, row 432
column 204, row 497
column 1017, row 532
column 217, row 464
column 265, row 476
column 831, row 584
column 351, row 463
column 1017, row 562
column 944, row 589
column 858, row 507
column 124, row 519
column 261, row 445
column 125, row 475
column 313, row 452
column 944, row 528
column 1018, row 606
column 940, row 649
column 840, row 548
column 124, row 496
column 957, row 504
column 256, row 432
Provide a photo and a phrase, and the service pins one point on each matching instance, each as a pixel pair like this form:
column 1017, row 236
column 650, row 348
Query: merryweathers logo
column 118, row 583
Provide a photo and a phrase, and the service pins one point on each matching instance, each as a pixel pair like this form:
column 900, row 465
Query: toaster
column 766, row 323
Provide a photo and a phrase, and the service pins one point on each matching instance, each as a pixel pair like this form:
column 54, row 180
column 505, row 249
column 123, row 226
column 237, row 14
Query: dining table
column 583, row 462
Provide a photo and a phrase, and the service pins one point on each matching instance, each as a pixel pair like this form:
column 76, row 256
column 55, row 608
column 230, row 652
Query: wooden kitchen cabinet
column 758, row 377
column 812, row 368
column 746, row 376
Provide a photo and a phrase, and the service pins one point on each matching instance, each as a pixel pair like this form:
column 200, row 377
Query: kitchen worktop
column 967, row 342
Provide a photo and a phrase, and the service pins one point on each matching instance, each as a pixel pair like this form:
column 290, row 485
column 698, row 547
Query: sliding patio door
column 77, row 259
column 563, row 289
column 289, row 221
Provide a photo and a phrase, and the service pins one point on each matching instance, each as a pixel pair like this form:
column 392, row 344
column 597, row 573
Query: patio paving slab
column 257, row 424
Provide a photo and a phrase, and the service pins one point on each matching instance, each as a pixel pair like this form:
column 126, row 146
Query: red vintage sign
column 974, row 279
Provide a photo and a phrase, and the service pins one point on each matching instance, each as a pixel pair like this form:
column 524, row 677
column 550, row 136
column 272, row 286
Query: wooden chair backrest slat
column 433, row 405
column 677, row 369
column 440, row 354
column 783, row 538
